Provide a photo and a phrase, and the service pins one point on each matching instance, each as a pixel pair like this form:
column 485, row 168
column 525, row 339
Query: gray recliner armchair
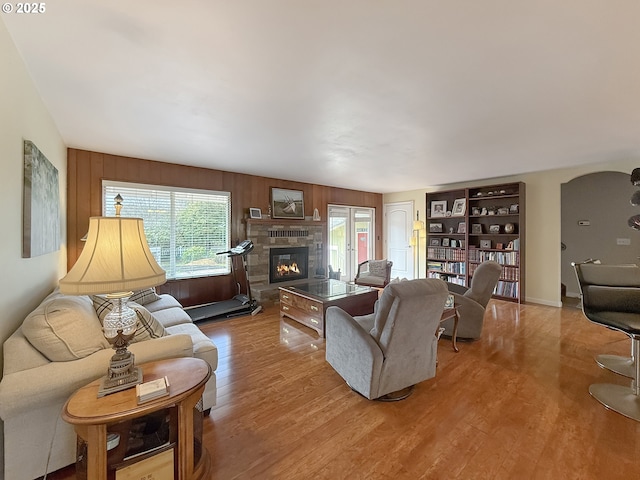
column 472, row 302
column 393, row 348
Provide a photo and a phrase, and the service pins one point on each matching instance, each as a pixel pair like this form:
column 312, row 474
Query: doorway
column 351, row 238
column 398, row 225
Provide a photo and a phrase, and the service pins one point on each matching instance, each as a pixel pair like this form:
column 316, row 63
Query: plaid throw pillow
column 145, row 296
column 147, row 327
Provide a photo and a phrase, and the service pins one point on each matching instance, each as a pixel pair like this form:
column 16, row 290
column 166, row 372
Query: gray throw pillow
column 378, row 268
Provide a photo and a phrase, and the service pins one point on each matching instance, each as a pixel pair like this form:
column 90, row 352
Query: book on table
column 153, row 389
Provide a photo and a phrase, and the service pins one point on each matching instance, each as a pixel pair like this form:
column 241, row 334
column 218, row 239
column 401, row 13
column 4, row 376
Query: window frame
column 173, row 190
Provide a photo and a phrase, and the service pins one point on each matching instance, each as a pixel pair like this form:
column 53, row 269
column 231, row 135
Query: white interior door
column 351, row 238
column 398, row 218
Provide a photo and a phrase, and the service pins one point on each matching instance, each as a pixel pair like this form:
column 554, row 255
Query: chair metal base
column 396, row 396
column 389, row 397
column 621, row 365
column 618, row 398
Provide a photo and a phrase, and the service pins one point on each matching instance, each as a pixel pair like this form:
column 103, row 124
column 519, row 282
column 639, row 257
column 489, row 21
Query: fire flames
column 287, row 269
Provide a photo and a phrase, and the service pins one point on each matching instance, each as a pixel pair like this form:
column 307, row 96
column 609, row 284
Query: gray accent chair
column 611, row 298
column 393, row 348
column 471, row 302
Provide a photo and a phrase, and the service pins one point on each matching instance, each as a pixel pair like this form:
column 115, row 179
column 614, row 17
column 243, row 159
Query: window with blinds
column 185, row 228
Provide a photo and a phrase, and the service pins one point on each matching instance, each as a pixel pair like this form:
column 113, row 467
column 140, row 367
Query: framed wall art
column 287, row 203
column 41, row 204
column 255, row 213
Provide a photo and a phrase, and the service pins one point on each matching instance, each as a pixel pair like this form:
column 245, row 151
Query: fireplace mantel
column 285, row 221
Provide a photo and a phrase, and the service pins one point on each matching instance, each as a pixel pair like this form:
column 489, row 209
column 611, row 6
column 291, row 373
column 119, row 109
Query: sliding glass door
column 351, row 238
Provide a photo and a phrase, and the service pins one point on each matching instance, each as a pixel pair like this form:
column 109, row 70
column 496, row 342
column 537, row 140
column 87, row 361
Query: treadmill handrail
column 241, row 249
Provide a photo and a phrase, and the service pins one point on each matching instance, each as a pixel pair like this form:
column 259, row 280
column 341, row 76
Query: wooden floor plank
column 514, row 404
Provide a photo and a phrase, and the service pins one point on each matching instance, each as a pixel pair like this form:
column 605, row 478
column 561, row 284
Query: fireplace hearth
column 288, row 263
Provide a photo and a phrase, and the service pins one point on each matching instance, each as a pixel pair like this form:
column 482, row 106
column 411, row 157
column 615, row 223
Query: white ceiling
column 376, row 95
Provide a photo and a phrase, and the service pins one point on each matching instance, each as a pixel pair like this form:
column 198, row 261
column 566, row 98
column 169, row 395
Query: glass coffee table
column 307, row 303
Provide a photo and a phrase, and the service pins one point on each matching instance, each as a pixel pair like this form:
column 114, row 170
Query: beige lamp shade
column 418, row 224
column 116, row 258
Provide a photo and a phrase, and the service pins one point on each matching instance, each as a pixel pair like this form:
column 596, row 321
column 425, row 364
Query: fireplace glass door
column 288, row 263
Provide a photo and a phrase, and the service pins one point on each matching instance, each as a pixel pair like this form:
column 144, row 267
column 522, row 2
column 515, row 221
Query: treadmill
column 241, row 304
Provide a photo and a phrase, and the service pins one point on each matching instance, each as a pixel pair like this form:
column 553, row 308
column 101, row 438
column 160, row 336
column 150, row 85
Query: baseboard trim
column 541, row 301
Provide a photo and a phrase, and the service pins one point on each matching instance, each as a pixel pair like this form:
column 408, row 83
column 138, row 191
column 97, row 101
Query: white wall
column 543, row 221
column 24, row 282
column 23, row 116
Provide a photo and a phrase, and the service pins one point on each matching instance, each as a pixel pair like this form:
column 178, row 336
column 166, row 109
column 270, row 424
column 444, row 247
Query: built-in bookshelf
column 446, row 236
column 466, row 227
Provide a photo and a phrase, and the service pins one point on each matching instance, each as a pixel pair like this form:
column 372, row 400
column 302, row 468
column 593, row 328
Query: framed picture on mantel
column 287, row 203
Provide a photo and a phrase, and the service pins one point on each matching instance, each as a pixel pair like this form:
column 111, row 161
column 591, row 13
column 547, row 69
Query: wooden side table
column 91, row 416
column 446, row 315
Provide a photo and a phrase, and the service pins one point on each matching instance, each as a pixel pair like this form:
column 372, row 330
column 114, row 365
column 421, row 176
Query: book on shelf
column 434, row 266
column 447, row 277
column 506, row 289
column 153, row 389
column 446, row 253
column 504, row 258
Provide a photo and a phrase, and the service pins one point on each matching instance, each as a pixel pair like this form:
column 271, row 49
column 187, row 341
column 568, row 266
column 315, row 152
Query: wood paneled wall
column 86, row 170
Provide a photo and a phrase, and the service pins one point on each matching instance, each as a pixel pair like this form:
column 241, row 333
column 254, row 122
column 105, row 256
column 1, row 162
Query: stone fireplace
column 272, row 237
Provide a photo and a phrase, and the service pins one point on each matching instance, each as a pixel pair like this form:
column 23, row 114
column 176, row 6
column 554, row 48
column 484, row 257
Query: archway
column 594, row 213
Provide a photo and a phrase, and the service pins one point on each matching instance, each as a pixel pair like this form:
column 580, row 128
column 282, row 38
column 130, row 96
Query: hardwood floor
column 513, row 405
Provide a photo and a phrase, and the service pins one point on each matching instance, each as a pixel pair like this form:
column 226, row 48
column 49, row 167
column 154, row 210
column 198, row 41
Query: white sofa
column 59, row 348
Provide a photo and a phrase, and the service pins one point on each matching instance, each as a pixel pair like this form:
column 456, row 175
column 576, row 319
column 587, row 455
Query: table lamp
column 116, row 260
